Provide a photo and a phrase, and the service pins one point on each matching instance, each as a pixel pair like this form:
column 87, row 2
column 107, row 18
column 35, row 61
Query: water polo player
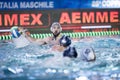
column 56, row 31
column 68, row 51
column 19, row 35
column 87, row 54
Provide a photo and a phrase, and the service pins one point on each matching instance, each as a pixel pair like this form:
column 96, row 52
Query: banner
column 57, row 4
column 70, row 19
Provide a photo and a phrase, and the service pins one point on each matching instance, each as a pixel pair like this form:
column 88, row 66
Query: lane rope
column 72, row 34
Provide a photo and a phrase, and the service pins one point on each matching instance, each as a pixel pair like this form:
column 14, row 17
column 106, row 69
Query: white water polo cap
column 65, row 41
column 15, row 32
column 53, row 25
column 88, row 54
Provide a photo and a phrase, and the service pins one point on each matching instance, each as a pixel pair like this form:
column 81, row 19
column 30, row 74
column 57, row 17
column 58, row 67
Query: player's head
column 88, row 54
column 65, row 41
column 70, row 52
column 56, row 28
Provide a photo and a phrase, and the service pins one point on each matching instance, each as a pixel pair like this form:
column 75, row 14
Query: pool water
column 35, row 62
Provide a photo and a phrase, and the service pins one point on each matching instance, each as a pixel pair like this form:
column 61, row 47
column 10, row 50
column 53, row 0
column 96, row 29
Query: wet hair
column 70, row 52
column 65, row 41
column 55, row 23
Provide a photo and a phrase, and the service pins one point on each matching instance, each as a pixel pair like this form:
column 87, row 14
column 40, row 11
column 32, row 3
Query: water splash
column 38, row 62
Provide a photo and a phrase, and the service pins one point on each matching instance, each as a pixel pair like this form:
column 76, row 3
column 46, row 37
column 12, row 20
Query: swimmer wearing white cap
column 56, row 31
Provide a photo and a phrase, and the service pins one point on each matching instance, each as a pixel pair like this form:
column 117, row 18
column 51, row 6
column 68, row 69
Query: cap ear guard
column 55, row 23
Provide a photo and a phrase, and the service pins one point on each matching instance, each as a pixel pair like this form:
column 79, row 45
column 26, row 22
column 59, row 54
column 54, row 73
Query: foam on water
column 39, row 62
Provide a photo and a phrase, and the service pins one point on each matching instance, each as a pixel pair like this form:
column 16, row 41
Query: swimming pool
column 36, row 62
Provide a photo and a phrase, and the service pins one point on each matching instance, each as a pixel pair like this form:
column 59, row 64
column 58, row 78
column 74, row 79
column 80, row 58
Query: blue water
column 36, row 62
